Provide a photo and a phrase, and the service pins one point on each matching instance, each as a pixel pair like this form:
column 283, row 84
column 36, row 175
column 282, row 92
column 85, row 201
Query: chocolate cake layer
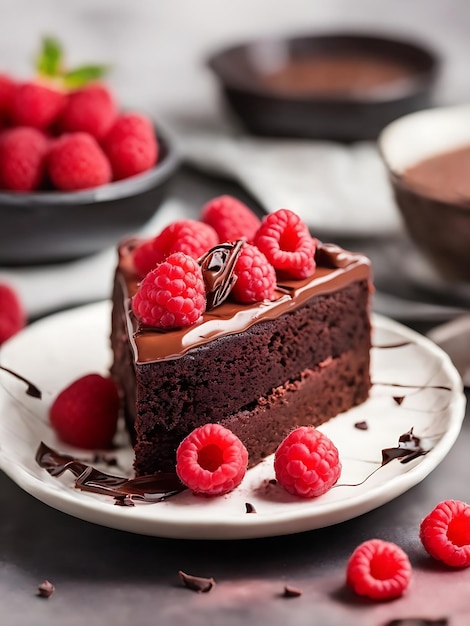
column 258, row 369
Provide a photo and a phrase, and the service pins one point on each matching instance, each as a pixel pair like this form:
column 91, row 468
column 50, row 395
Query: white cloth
column 339, row 190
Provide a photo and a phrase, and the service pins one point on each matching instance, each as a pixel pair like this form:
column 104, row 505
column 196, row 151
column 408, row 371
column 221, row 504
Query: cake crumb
column 45, row 589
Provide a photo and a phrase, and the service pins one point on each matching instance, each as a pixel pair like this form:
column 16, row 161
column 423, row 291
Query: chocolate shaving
column 150, row 488
column 291, row 592
column 196, row 583
column 361, row 425
column 46, row 589
column 31, row 389
column 398, row 399
column 249, row 508
column 218, row 267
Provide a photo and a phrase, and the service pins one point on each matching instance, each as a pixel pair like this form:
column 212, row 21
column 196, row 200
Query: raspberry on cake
column 230, row 218
column 12, row 314
column 298, row 356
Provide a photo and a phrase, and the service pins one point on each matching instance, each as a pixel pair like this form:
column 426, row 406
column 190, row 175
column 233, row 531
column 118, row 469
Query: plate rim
column 252, row 526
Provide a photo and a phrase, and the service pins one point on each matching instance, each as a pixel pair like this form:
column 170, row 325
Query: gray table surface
column 104, row 576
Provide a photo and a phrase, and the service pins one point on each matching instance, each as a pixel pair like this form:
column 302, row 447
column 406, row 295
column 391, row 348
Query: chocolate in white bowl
column 427, row 155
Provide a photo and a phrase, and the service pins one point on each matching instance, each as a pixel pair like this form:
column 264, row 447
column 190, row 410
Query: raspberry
column 22, row 158
column 7, row 89
column 172, row 295
column 445, row 533
column 36, row 105
column 230, row 218
column 211, row 460
column 188, row 236
column 12, row 315
column 131, row 145
column 76, row 161
column 91, row 109
column 379, row 570
column 85, row 413
column 256, row 277
column 306, row 463
column 287, row 244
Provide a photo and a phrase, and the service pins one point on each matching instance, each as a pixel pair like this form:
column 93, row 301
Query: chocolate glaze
column 336, row 268
column 31, row 390
column 154, row 488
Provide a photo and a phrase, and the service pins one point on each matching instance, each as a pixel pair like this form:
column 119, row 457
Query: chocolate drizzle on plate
column 151, row 488
column 409, row 448
column 31, row 390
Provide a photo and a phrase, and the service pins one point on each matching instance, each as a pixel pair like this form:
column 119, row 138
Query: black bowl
column 54, row 226
column 244, row 70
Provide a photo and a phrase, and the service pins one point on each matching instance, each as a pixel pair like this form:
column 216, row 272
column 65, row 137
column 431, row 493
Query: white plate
column 60, row 348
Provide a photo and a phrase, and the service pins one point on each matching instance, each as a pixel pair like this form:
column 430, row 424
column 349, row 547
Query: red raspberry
column 256, row 277
column 379, row 570
column 307, row 463
column 211, row 460
column 230, row 218
column 445, row 533
column 287, row 244
column 131, row 145
column 85, row 413
column 22, row 158
column 91, row 109
column 12, row 314
column 7, row 90
column 172, row 295
column 76, row 161
column 36, row 105
column 188, row 236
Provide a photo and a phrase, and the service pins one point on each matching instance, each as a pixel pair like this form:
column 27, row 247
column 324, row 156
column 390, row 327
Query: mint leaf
column 83, row 75
column 49, row 59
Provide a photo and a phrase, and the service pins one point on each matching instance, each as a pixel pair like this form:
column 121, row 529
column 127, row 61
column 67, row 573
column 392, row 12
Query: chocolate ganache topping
column 336, row 268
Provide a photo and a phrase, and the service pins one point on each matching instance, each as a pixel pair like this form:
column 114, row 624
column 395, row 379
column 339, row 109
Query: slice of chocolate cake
column 258, row 369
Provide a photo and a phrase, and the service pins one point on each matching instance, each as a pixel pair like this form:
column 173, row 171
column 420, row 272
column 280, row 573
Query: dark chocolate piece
column 361, row 425
column 46, row 589
column 196, row 583
column 31, row 389
column 149, row 488
column 250, row 508
column 398, row 399
column 291, row 592
column 218, row 271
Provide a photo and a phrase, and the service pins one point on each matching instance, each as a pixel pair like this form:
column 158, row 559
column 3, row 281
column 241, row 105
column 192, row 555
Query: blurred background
column 157, row 48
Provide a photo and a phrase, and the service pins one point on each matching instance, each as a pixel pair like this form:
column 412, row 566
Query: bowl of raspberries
column 77, row 172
